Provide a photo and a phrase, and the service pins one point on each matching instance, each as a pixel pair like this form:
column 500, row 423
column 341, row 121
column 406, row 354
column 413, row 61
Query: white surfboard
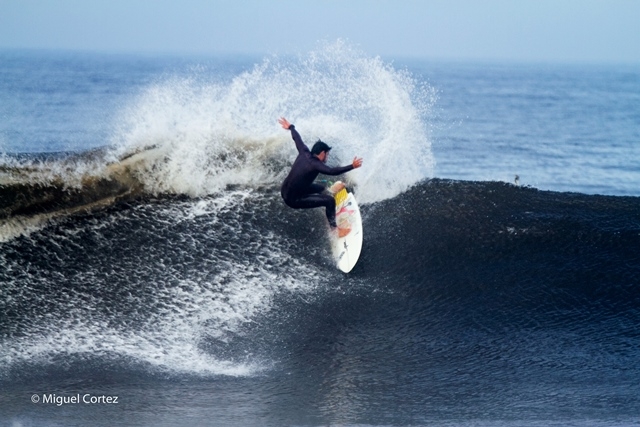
column 346, row 249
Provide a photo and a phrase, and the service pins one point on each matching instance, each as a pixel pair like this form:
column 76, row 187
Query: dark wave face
column 472, row 303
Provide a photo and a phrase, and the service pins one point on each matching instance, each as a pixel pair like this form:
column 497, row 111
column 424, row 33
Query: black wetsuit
column 298, row 189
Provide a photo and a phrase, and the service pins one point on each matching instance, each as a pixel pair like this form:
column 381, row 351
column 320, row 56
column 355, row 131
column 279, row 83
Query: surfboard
column 346, row 249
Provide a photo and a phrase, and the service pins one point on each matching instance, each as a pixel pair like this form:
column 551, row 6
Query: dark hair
column 319, row 147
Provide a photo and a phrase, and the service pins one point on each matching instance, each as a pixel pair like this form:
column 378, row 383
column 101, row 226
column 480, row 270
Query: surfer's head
column 320, row 149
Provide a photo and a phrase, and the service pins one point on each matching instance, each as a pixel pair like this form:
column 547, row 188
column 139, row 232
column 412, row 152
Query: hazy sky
column 521, row 30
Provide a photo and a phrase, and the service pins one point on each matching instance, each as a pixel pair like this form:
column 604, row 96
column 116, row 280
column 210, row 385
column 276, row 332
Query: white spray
column 210, row 134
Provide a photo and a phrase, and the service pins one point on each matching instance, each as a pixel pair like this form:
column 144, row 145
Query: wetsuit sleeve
column 326, row 170
column 302, row 148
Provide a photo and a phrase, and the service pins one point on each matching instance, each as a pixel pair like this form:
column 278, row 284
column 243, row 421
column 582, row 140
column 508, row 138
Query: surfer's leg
column 330, row 209
column 316, row 201
column 316, row 188
column 326, row 200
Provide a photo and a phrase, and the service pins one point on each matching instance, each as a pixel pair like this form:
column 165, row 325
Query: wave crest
column 213, row 134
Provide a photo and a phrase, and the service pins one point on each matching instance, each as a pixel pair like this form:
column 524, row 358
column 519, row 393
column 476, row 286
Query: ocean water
column 559, row 127
column 150, row 274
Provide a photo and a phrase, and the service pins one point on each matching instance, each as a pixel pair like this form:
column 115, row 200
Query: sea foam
column 213, row 133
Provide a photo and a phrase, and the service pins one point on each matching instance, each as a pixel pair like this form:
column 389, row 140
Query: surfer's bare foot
column 343, row 231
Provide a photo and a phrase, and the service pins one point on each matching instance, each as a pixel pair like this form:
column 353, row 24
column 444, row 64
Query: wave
column 213, row 285
column 218, row 134
column 196, row 136
column 164, row 304
column 35, row 190
column 193, row 266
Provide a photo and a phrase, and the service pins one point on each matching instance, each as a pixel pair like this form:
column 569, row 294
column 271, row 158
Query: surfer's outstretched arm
column 300, row 145
column 284, row 123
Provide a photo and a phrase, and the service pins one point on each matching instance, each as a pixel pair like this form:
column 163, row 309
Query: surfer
column 298, row 189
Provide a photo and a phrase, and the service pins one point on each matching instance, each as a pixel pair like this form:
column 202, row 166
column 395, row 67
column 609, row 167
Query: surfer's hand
column 284, row 123
column 357, row 162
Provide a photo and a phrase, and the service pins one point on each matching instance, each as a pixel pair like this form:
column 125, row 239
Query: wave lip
column 32, row 192
column 217, row 134
column 194, row 135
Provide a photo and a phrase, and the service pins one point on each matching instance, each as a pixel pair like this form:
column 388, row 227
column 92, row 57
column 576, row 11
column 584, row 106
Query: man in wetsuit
column 298, row 189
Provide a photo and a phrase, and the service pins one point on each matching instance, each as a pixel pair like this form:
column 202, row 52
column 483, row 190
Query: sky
column 504, row 30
